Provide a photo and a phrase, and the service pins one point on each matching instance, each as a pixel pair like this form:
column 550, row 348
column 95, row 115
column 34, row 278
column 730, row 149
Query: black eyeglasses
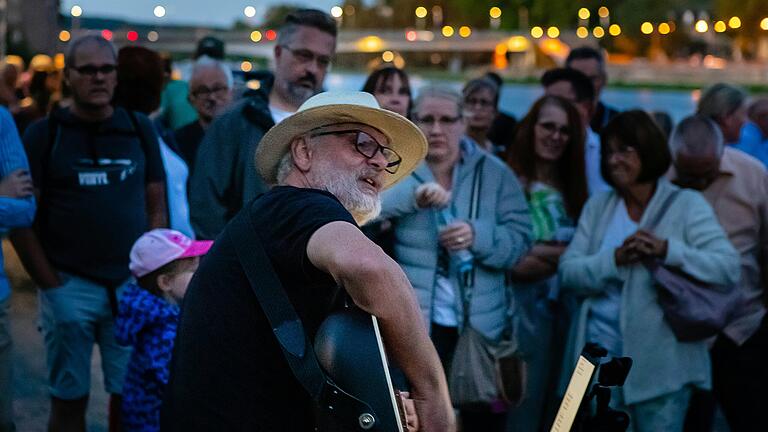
column 304, row 55
column 367, row 146
column 92, row 70
column 431, row 120
column 551, row 128
column 204, row 91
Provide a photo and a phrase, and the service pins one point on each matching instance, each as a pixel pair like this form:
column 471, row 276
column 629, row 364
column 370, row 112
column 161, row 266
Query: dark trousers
column 739, row 385
column 477, row 419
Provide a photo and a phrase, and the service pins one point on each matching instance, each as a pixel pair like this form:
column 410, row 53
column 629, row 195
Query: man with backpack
column 99, row 180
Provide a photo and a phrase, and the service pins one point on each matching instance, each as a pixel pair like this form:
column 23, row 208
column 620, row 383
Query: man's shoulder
column 288, row 202
column 249, row 114
column 739, row 160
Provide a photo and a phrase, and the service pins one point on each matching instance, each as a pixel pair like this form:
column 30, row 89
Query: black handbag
column 695, row 310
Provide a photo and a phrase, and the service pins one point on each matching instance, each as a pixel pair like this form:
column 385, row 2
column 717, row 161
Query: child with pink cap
column 163, row 262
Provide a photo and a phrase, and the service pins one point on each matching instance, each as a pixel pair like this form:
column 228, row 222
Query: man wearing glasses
column 210, row 92
column 224, row 178
column 329, row 162
column 99, row 180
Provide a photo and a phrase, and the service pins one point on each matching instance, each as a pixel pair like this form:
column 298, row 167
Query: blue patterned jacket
column 148, row 323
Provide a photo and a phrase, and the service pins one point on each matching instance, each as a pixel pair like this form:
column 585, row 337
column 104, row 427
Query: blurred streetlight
column 249, row 12
column 646, row 28
column 153, row 36
column 159, row 11
column 598, row 32
column 447, row 31
column 537, row 32
column 76, row 11
column 582, row 32
column 256, row 36
column 553, row 32
column 64, row 36
column 719, row 26
column 495, row 12
column 764, row 24
column 337, row 11
column 246, row 66
column 465, row 31
column 614, row 30
column 701, row 26
column 603, row 12
column 421, row 12
column 387, row 56
column 734, row 22
column 584, row 13
column 664, row 28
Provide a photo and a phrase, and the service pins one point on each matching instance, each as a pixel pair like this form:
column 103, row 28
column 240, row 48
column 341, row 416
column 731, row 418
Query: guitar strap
column 289, row 331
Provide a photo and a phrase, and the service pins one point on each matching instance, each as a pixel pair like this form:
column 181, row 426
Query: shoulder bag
column 695, row 310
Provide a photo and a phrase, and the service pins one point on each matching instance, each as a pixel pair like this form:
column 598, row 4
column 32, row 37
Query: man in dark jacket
column 224, row 177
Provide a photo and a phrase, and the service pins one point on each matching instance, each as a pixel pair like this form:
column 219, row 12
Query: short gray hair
column 204, row 62
column 439, row 92
column 284, row 167
column 69, row 58
column 721, row 100
column 696, row 135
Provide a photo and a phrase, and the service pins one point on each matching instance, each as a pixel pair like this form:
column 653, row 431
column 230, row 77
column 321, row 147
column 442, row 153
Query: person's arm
column 17, row 203
column 154, row 189
column 378, row 285
column 33, row 257
column 157, row 209
column 540, row 262
column 400, row 200
column 581, row 271
column 502, row 239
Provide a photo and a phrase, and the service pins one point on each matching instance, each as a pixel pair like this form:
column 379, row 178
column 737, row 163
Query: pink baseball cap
column 160, row 246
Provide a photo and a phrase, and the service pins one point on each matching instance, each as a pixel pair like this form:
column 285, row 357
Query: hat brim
column 197, row 248
column 404, row 137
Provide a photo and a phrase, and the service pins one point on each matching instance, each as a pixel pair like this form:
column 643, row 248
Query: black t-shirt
column 92, row 177
column 228, row 372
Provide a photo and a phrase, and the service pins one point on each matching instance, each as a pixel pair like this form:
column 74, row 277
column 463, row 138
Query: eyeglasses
column 551, row 128
column 306, row 56
column 478, row 102
column 443, row 120
column 92, row 70
column 204, row 91
column 367, row 146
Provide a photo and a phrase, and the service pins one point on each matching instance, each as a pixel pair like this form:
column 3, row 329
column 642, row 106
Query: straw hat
column 335, row 107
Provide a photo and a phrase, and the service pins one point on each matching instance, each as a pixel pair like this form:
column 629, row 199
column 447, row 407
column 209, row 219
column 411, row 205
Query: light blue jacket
column 14, row 212
column 502, row 235
column 696, row 244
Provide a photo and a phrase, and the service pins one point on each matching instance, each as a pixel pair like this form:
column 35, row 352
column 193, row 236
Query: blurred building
column 32, row 25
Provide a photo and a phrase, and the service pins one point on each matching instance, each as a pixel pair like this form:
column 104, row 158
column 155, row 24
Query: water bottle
column 462, row 258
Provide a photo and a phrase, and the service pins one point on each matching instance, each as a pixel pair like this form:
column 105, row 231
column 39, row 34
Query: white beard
column 346, row 188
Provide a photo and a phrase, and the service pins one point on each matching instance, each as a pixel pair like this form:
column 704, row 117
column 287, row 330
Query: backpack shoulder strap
column 139, row 131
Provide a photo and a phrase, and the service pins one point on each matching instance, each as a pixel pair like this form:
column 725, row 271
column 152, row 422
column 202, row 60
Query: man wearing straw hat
column 329, row 162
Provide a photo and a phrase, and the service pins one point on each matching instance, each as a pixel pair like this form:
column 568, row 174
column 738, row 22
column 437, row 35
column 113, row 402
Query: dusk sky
column 211, row 12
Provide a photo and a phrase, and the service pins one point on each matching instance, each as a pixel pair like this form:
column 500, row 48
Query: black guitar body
column 348, row 347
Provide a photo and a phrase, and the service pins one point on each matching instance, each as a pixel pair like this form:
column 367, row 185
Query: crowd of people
column 539, row 230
